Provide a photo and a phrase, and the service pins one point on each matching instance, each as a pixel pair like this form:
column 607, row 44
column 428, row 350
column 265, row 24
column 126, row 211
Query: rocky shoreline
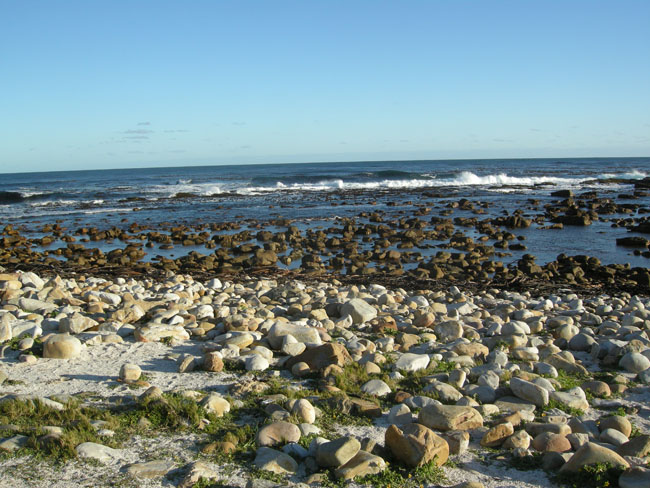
column 431, row 240
column 174, row 380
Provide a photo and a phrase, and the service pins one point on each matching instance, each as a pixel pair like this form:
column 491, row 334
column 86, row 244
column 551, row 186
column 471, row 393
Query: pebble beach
column 260, row 382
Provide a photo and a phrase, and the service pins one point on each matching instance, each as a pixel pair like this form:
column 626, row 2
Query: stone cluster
column 435, row 371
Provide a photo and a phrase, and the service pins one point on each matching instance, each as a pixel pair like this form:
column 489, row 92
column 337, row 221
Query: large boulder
column 415, row 445
column 61, row 346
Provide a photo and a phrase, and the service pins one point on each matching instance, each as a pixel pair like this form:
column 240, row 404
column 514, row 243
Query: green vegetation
column 575, row 412
column 395, row 476
column 570, row 380
column 30, row 416
column 599, row 475
column 527, row 463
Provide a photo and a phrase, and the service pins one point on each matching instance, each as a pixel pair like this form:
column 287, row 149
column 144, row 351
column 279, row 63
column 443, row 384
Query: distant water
column 319, row 192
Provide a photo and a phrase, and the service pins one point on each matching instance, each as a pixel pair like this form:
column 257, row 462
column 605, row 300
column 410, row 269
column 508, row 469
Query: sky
column 117, row 83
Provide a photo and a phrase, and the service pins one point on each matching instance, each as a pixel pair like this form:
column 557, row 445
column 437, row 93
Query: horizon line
column 319, row 162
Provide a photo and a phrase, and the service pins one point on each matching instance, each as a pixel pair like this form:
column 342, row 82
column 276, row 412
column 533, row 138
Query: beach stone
column 636, row 477
column 514, row 404
column 336, row 453
column 577, row 440
column 415, row 444
column 322, row 356
column 425, row 320
column 458, row 441
column 216, row 404
column 636, row 447
column 472, row 349
column 497, row 435
column 412, row 362
column 400, row 414
column 39, row 306
column 130, row 372
column 61, row 346
column 519, row 440
column 278, row 433
column 450, row 417
column 22, row 328
column 618, row 422
column 13, row 443
column 444, row 392
column 592, row 453
column 154, row 332
column 613, row 436
column 255, row 362
column 537, row 428
column 376, row 388
column 549, row 442
column 360, row 311
column 197, row 470
column 529, row 391
column 304, row 411
column 268, row 459
column 448, row 331
column 6, row 332
column 574, row 398
column 76, row 323
column 597, row 388
column 362, row 464
column 99, row 452
column 634, row 362
column 212, row 361
column 150, row 469
column 300, row 369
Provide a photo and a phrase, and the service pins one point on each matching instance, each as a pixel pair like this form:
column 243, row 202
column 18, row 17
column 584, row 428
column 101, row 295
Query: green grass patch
column 396, row 476
column 575, row 412
column 601, row 475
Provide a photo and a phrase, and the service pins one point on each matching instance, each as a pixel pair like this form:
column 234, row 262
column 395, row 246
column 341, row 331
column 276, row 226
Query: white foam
column 53, row 203
column 635, row 174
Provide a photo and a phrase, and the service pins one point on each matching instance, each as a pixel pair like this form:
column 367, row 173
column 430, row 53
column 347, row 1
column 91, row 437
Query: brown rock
column 416, row 444
column 549, row 442
column 212, row 362
column 497, row 435
column 450, row 417
column 322, row 356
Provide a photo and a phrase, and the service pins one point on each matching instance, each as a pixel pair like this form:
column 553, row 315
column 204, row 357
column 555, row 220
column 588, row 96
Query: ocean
column 318, row 195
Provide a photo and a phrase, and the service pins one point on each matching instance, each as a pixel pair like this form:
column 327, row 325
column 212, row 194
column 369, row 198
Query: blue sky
column 107, row 84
